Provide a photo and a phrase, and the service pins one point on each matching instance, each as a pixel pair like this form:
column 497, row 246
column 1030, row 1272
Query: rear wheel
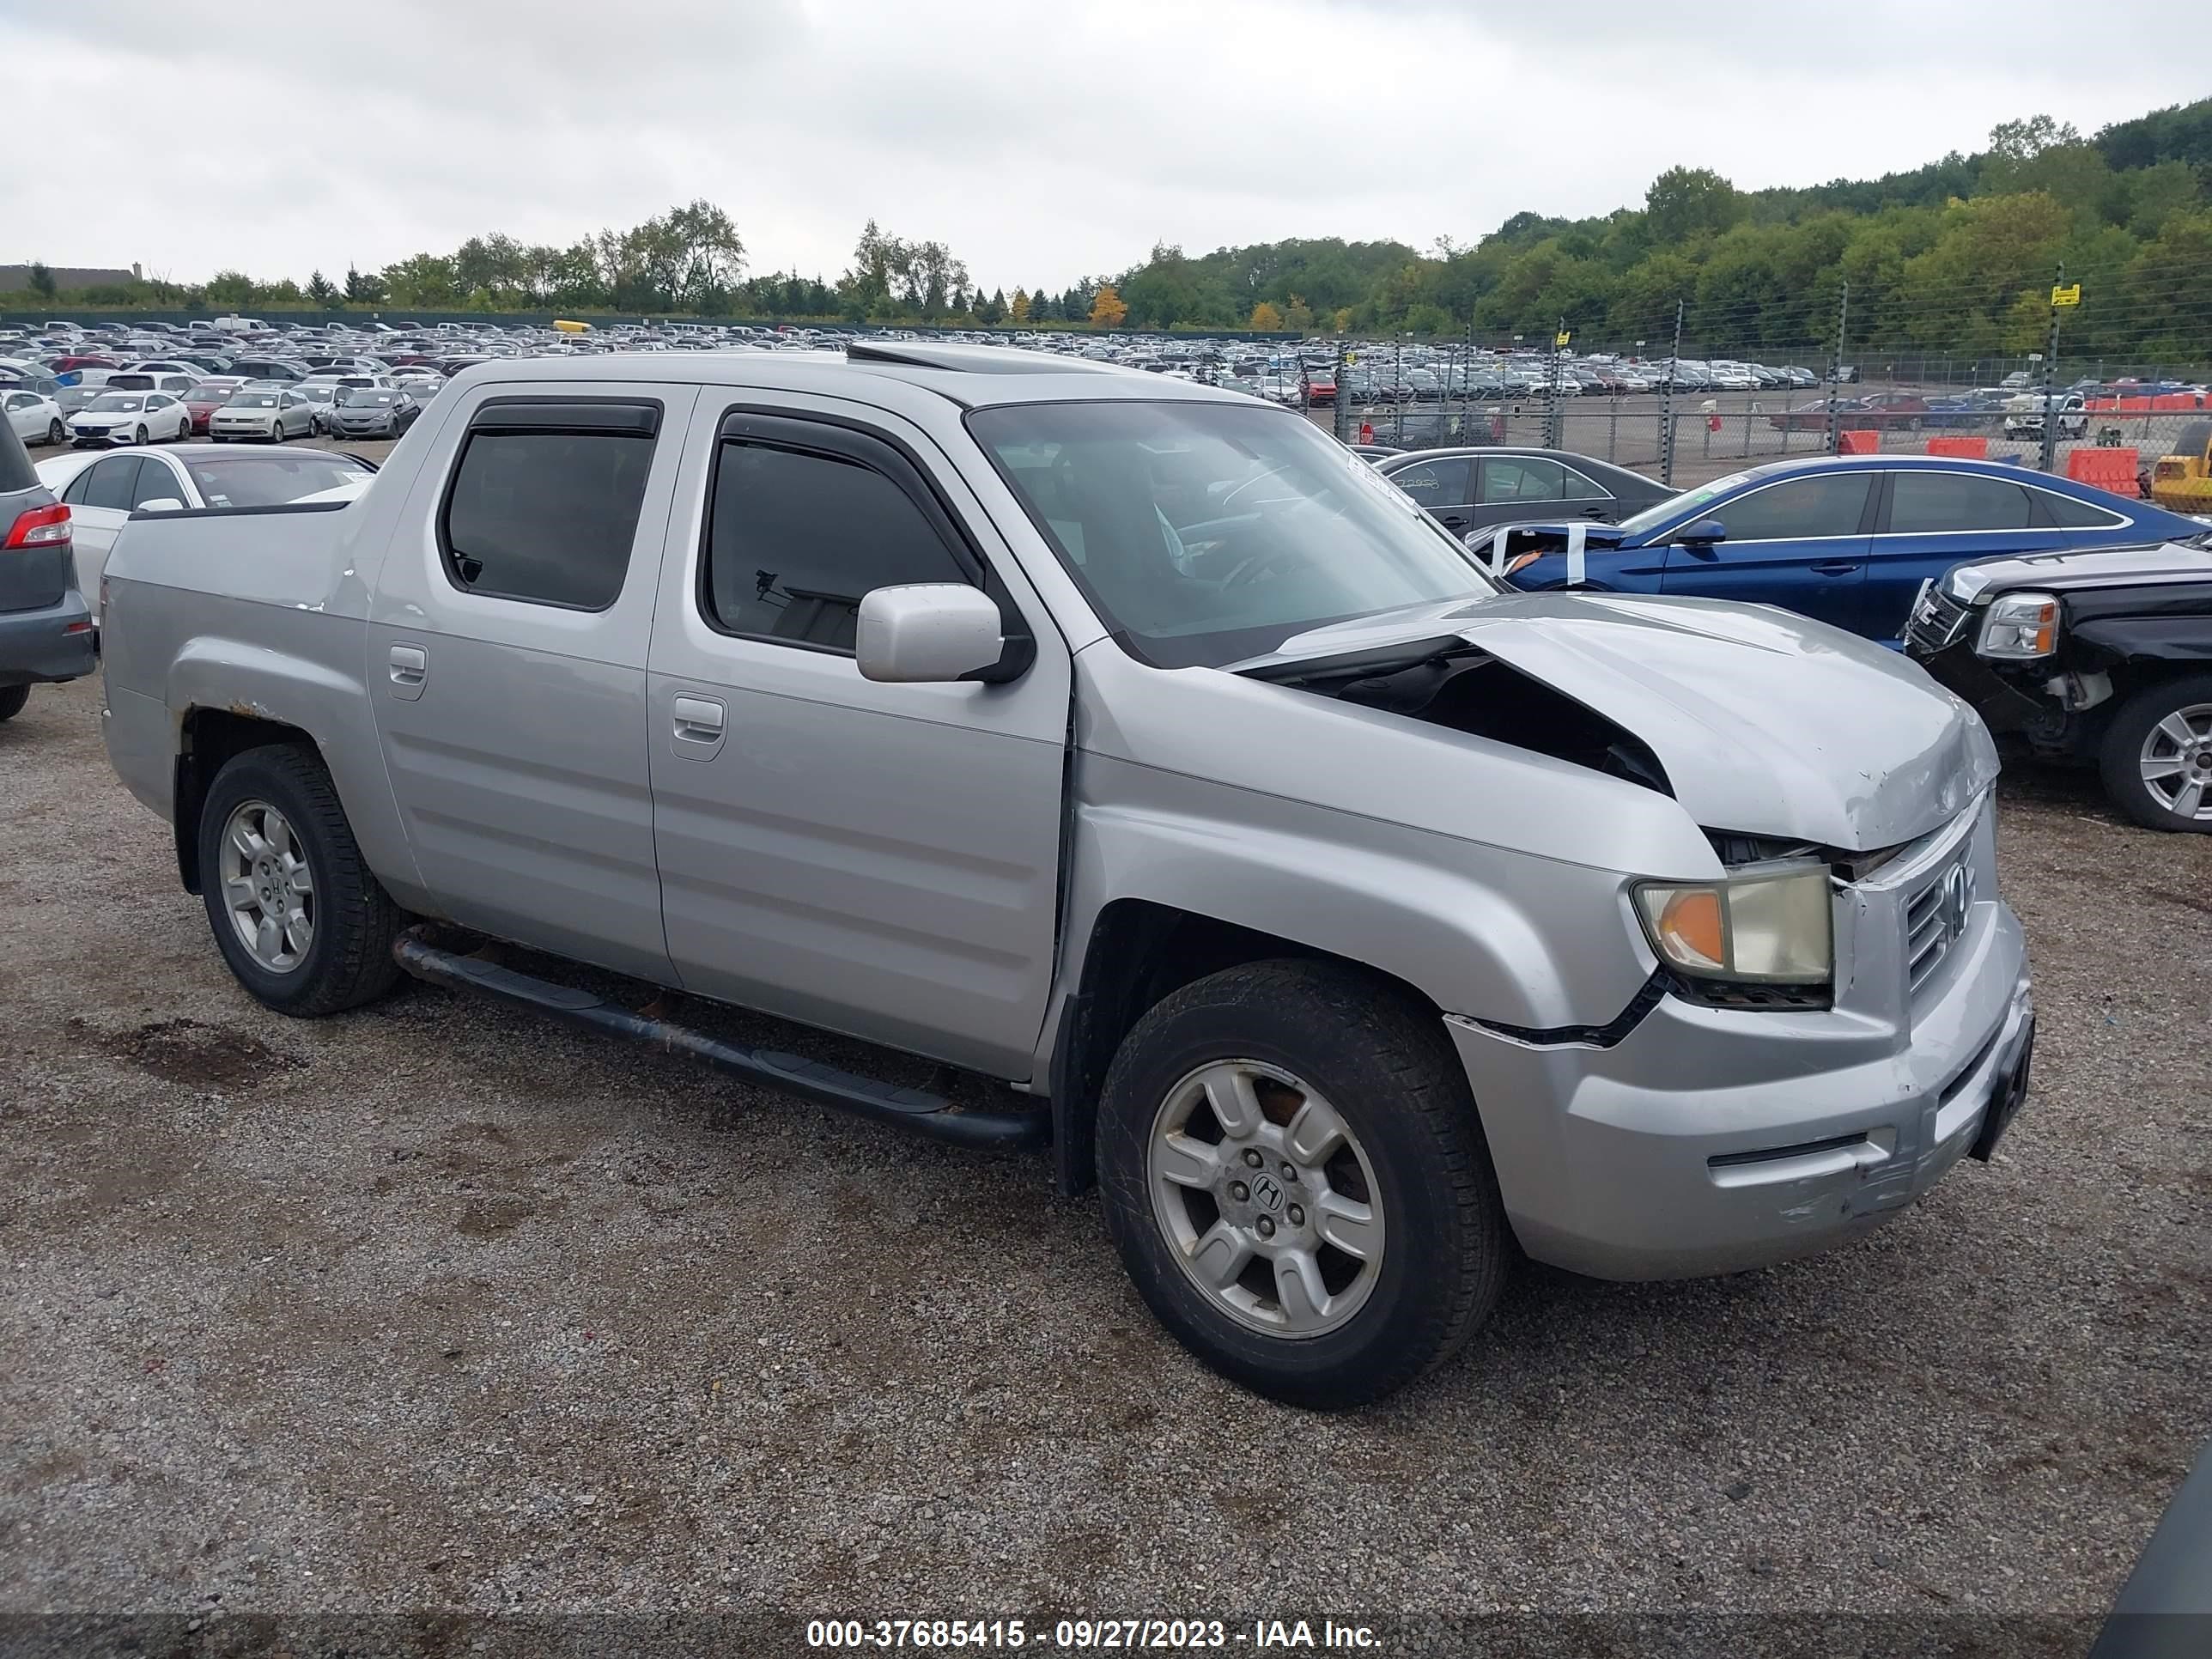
column 12, row 699
column 1297, row 1181
column 298, row 916
column 2157, row 756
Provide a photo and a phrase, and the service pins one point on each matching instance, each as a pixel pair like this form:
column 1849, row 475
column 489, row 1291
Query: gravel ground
column 433, row 1307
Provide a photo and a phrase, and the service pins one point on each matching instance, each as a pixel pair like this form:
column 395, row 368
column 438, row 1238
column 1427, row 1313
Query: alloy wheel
column 267, row 886
column 1265, row 1197
column 2177, row 762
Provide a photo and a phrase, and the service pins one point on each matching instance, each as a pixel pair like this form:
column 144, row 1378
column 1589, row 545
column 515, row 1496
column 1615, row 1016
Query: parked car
column 129, row 417
column 35, row 418
column 1847, row 540
column 204, row 399
column 45, row 627
column 371, row 411
column 1358, row 879
column 101, row 491
column 2024, row 420
column 2100, row 658
column 1468, row 491
column 274, row 413
column 1321, row 387
column 1903, row 410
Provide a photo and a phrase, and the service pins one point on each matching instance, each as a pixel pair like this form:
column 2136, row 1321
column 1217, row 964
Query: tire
column 346, row 960
column 12, row 699
column 140, row 438
column 56, row 433
column 1343, row 1040
column 2149, row 730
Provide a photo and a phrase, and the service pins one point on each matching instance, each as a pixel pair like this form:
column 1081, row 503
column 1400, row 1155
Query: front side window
column 1929, row 503
column 546, row 516
column 1827, row 504
column 796, row 540
column 1206, row 533
column 1530, row 478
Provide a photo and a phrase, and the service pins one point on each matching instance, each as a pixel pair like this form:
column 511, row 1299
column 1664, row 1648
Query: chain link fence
column 2102, row 419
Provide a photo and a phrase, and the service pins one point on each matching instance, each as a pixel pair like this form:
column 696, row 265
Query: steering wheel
column 1256, row 478
column 1251, row 569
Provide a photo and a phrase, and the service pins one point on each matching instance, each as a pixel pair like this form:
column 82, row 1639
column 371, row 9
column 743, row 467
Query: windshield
column 115, row 403
column 271, row 479
column 1659, row 512
column 252, row 400
column 1205, row 534
column 367, row 397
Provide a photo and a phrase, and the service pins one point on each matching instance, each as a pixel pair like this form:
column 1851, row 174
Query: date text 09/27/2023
column 1134, row 1634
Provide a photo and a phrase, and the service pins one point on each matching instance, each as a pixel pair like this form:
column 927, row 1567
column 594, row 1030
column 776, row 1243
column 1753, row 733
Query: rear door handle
column 697, row 727
column 1835, row 567
column 410, row 668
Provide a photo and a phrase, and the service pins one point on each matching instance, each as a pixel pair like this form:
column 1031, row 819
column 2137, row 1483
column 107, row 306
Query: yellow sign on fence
column 2068, row 295
column 1563, row 339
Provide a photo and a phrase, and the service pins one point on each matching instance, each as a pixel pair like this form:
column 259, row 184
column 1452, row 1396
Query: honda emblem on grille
column 1958, row 902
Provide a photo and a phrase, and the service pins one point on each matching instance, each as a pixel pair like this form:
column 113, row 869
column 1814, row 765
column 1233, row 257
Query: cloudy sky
column 1042, row 143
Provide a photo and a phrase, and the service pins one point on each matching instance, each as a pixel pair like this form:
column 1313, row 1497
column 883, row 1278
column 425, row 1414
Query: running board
column 886, row 1102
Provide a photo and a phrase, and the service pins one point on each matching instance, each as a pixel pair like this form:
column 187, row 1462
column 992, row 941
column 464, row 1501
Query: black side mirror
column 1702, row 533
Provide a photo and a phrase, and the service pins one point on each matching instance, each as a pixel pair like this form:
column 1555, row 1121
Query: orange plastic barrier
column 1965, row 449
column 2107, row 469
column 1859, row 443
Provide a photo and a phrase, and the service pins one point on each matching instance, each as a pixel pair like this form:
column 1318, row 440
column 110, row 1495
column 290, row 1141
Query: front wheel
column 2157, row 756
column 56, row 433
column 139, row 438
column 1297, row 1181
column 298, row 916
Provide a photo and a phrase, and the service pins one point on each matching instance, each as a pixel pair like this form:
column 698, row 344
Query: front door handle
column 410, row 668
column 696, row 728
column 1835, row 567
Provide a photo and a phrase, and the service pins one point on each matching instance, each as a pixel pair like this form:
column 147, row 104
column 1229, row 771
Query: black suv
column 2103, row 657
column 45, row 627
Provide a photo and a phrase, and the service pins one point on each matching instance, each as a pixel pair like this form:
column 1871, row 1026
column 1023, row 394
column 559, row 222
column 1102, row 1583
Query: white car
column 129, row 417
column 274, row 413
column 103, row 490
column 36, row 418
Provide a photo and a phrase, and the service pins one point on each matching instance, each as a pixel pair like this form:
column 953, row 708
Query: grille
column 1936, row 620
column 1936, row 914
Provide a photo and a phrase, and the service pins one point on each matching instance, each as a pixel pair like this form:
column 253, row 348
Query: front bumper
column 54, row 642
column 81, row 437
column 2003, row 706
column 1711, row 1141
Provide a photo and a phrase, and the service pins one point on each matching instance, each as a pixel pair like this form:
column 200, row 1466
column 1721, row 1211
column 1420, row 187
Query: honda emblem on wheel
column 1267, row 1193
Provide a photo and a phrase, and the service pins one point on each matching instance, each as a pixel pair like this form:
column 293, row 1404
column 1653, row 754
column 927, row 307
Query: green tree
column 362, row 289
column 1687, row 202
column 42, row 281
column 322, row 291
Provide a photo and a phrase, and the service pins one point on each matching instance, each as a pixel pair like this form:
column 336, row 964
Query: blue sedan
column 1846, row 539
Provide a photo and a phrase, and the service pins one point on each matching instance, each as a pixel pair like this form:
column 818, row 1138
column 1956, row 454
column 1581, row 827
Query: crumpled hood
column 1766, row 723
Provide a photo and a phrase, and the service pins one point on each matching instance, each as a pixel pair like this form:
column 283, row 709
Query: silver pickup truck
column 1354, row 925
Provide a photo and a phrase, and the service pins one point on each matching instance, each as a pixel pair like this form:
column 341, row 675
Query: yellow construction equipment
column 2182, row 482
column 567, row 327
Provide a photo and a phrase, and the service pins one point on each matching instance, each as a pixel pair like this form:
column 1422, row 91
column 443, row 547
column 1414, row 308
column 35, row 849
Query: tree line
column 1958, row 255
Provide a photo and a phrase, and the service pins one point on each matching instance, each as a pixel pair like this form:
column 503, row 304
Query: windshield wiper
column 1348, row 665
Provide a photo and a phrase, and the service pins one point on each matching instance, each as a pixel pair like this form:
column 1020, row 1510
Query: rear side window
column 16, row 471
column 1434, row 483
column 544, row 502
column 1830, row 504
column 1929, row 503
column 113, row 483
column 2065, row 513
column 795, row 540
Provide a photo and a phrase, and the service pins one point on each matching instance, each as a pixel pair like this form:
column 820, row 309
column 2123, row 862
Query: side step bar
column 909, row 1108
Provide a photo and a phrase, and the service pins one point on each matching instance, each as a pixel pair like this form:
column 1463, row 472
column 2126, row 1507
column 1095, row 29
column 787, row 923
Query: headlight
column 2018, row 627
column 1769, row 924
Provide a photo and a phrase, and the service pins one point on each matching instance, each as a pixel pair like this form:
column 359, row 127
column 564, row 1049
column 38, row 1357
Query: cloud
column 1040, row 145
